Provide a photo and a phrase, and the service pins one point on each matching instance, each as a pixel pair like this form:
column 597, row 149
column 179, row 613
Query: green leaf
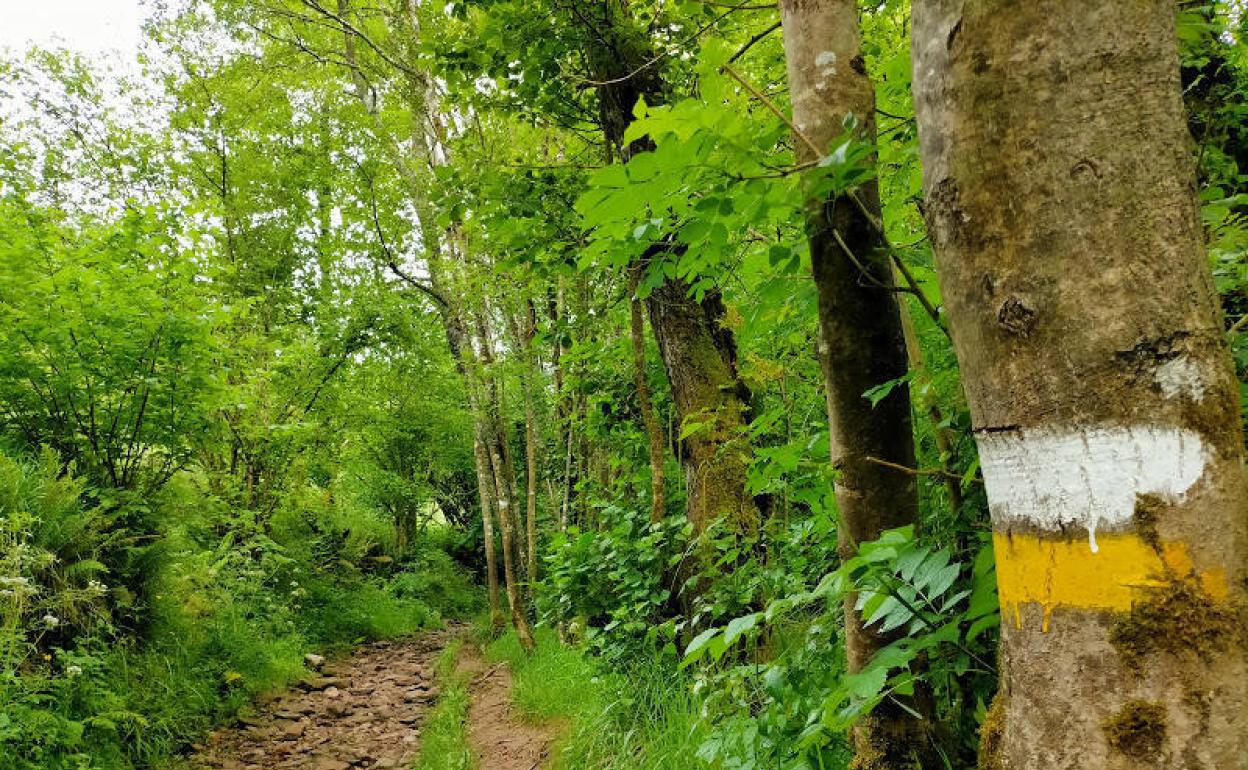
column 880, row 392
column 700, row 645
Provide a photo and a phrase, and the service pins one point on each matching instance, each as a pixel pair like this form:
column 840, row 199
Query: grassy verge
column 444, row 739
column 643, row 719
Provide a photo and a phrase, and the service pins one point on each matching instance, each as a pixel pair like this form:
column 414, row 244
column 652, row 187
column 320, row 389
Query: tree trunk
column 555, row 310
column 654, row 431
column 698, row 352
column 414, row 170
column 1062, row 207
column 524, row 333
column 506, row 520
column 700, row 357
column 504, row 483
column 861, row 342
column 485, row 485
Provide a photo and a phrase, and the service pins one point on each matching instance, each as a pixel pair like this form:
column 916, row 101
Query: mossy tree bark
column 698, row 351
column 861, row 339
column 700, row 357
column 645, row 403
column 1062, row 208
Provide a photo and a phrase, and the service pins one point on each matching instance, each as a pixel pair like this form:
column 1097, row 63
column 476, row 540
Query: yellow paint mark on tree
column 1064, row 573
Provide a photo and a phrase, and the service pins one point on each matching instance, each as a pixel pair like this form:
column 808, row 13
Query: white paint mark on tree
column 826, row 62
column 1055, row 478
column 1181, row 377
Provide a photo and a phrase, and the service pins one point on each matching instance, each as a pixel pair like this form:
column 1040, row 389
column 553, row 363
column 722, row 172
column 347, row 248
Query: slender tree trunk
column 530, row 464
column 485, row 485
column 523, row 334
column 568, row 481
column 504, row 484
column 654, row 431
column 555, row 303
column 506, row 520
column 861, row 343
column 511, row 549
column 1061, row 203
column 413, row 167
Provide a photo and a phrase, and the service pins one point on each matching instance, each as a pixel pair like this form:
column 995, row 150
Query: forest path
column 500, row 739
column 363, row 712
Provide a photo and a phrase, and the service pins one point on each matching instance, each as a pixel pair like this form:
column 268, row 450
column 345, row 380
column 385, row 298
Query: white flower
column 51, row 621
column 72, row 671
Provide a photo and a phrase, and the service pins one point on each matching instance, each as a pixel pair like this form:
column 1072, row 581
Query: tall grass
column 444, row 739
column 645, row 718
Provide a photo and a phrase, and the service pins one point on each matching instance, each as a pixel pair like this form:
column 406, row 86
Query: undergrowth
column 116, row 658
column 642, row 718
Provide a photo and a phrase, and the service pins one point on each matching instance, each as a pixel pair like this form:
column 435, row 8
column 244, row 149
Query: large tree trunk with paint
column 1062, row 208
column 861, row 341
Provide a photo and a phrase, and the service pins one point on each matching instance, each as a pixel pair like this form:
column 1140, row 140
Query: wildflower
column 51, row 621
column 73, row 671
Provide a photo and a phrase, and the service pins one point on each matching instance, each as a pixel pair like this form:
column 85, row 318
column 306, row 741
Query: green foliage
column 617, row 581
column 235, row 431
column 639, row 718
column 939, row 611
column 229, row 618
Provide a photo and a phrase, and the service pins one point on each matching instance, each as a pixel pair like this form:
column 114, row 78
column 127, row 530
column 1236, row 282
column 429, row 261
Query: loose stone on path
column 360, row 713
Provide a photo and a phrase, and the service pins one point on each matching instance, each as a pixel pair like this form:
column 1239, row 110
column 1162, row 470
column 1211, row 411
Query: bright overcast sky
column 93, row 26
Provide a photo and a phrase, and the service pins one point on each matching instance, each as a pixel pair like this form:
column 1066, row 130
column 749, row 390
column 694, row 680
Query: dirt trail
column 500, row 739
column 365, row 712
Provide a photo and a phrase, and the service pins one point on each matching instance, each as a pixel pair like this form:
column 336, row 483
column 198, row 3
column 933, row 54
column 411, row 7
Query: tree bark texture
column 1061, row 202
column 861, row 340
column 699, row 353
column 504, row 481
column 524, row 329
column 700, row 357
column 645, row 403
column 485, row 485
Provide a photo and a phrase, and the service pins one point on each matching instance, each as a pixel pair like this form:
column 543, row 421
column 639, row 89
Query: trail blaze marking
column 1051, row 478
column 1064, row 573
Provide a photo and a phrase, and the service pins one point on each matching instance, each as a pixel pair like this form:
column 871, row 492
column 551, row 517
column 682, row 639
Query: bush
column 433, row 577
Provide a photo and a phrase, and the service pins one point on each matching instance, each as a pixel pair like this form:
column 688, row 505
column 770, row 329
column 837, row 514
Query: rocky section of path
column 363, row 712
column 499, row 737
